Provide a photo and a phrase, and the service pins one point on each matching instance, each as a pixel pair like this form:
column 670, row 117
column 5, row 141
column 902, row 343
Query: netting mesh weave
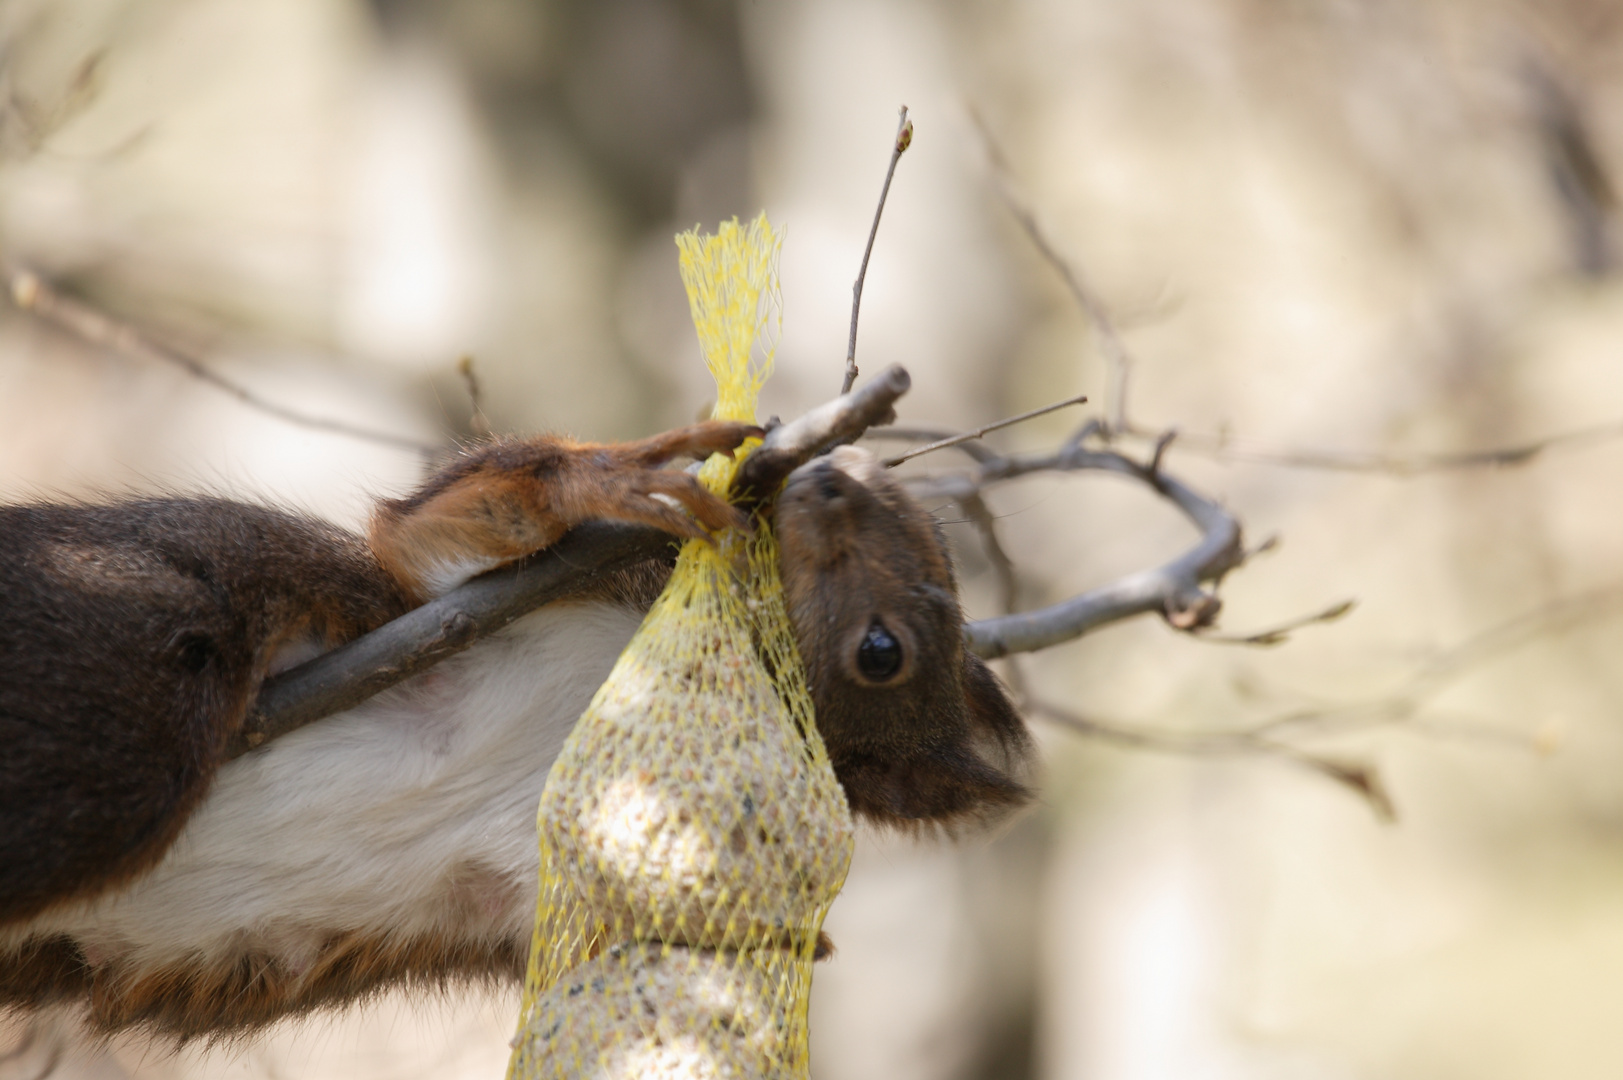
column 692, row 832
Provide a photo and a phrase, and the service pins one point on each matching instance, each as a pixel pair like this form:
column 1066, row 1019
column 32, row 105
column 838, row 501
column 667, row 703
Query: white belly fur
column 411, row 813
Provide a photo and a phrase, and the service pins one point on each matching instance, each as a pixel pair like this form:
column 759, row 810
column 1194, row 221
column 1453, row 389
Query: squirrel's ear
column 940, row 784
column 991, row 714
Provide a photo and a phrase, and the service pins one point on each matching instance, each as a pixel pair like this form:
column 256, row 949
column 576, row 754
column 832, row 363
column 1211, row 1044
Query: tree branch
column 970, row 436
column 1221, row 448
column 1362, row 778
column 33, row 295
column 1399, row 706
column 421, row 638
column 904, row 139
column 1114, row 350
column 1174, row 589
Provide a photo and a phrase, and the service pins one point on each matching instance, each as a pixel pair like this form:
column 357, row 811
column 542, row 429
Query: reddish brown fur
column 510, row 498
column 202, row 999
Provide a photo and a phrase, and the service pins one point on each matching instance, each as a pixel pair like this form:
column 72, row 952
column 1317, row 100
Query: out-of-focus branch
column 1362, row 778
column 1119, row 362
column 1575, row 165
column 1111, row 346
column 1008, row 582
column 38, row 1051
column 904, row 139
column 478, row 422
column 1447, row 667
column 423, row 637
column 32, row 294
column 1220, row 448
column 1404, row 705
column 1277, row 635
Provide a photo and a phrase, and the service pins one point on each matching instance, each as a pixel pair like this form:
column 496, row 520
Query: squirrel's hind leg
column 513, row 497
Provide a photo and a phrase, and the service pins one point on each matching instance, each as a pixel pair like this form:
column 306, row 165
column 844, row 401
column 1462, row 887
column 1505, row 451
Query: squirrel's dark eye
column 880, row 655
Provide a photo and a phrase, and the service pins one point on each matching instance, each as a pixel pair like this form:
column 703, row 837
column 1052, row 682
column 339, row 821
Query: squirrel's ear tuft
column 991, row 714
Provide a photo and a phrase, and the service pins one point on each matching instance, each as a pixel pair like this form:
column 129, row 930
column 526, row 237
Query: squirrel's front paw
column 645, row 496
column 697, row 441
column 634, row 488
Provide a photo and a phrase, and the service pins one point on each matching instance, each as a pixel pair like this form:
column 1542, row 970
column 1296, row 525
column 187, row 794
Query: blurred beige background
column 1343, row 225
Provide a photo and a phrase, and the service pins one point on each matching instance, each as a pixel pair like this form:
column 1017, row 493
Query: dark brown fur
column 132, row 638
column 933, row 742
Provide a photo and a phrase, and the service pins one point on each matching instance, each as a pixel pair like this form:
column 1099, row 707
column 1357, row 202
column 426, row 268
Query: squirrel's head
column 918, row 729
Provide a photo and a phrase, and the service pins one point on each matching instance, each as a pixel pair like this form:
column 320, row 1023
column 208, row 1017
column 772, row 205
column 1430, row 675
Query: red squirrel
column 148, row 882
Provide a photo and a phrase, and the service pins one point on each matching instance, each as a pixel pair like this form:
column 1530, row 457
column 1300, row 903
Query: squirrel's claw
column 711, row 513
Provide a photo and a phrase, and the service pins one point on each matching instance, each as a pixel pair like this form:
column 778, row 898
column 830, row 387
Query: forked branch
column 1175, row 590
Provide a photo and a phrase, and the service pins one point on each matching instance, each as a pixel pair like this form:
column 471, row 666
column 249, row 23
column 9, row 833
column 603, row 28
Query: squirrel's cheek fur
column 400, row 828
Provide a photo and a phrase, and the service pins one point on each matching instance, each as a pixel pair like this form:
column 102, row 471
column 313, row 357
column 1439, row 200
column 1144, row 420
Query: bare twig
column 1174, row 590
column 1221, row 448
column 1449, row 666
column 967, row 436
column 1109, row 341
column 35, row 296
column 904, row 139
column 1276, row 635
column 421, row 638
column 980, row 515
column 1400, row 706
column 478, row 422
column 1361, row 777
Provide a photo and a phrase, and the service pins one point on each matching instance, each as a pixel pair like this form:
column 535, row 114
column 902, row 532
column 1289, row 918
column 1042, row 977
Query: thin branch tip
column 904, row 139
column 1278, row 635
column 955, row 440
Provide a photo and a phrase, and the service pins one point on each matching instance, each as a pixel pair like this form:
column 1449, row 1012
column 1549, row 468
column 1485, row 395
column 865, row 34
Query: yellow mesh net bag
column 692, row 832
